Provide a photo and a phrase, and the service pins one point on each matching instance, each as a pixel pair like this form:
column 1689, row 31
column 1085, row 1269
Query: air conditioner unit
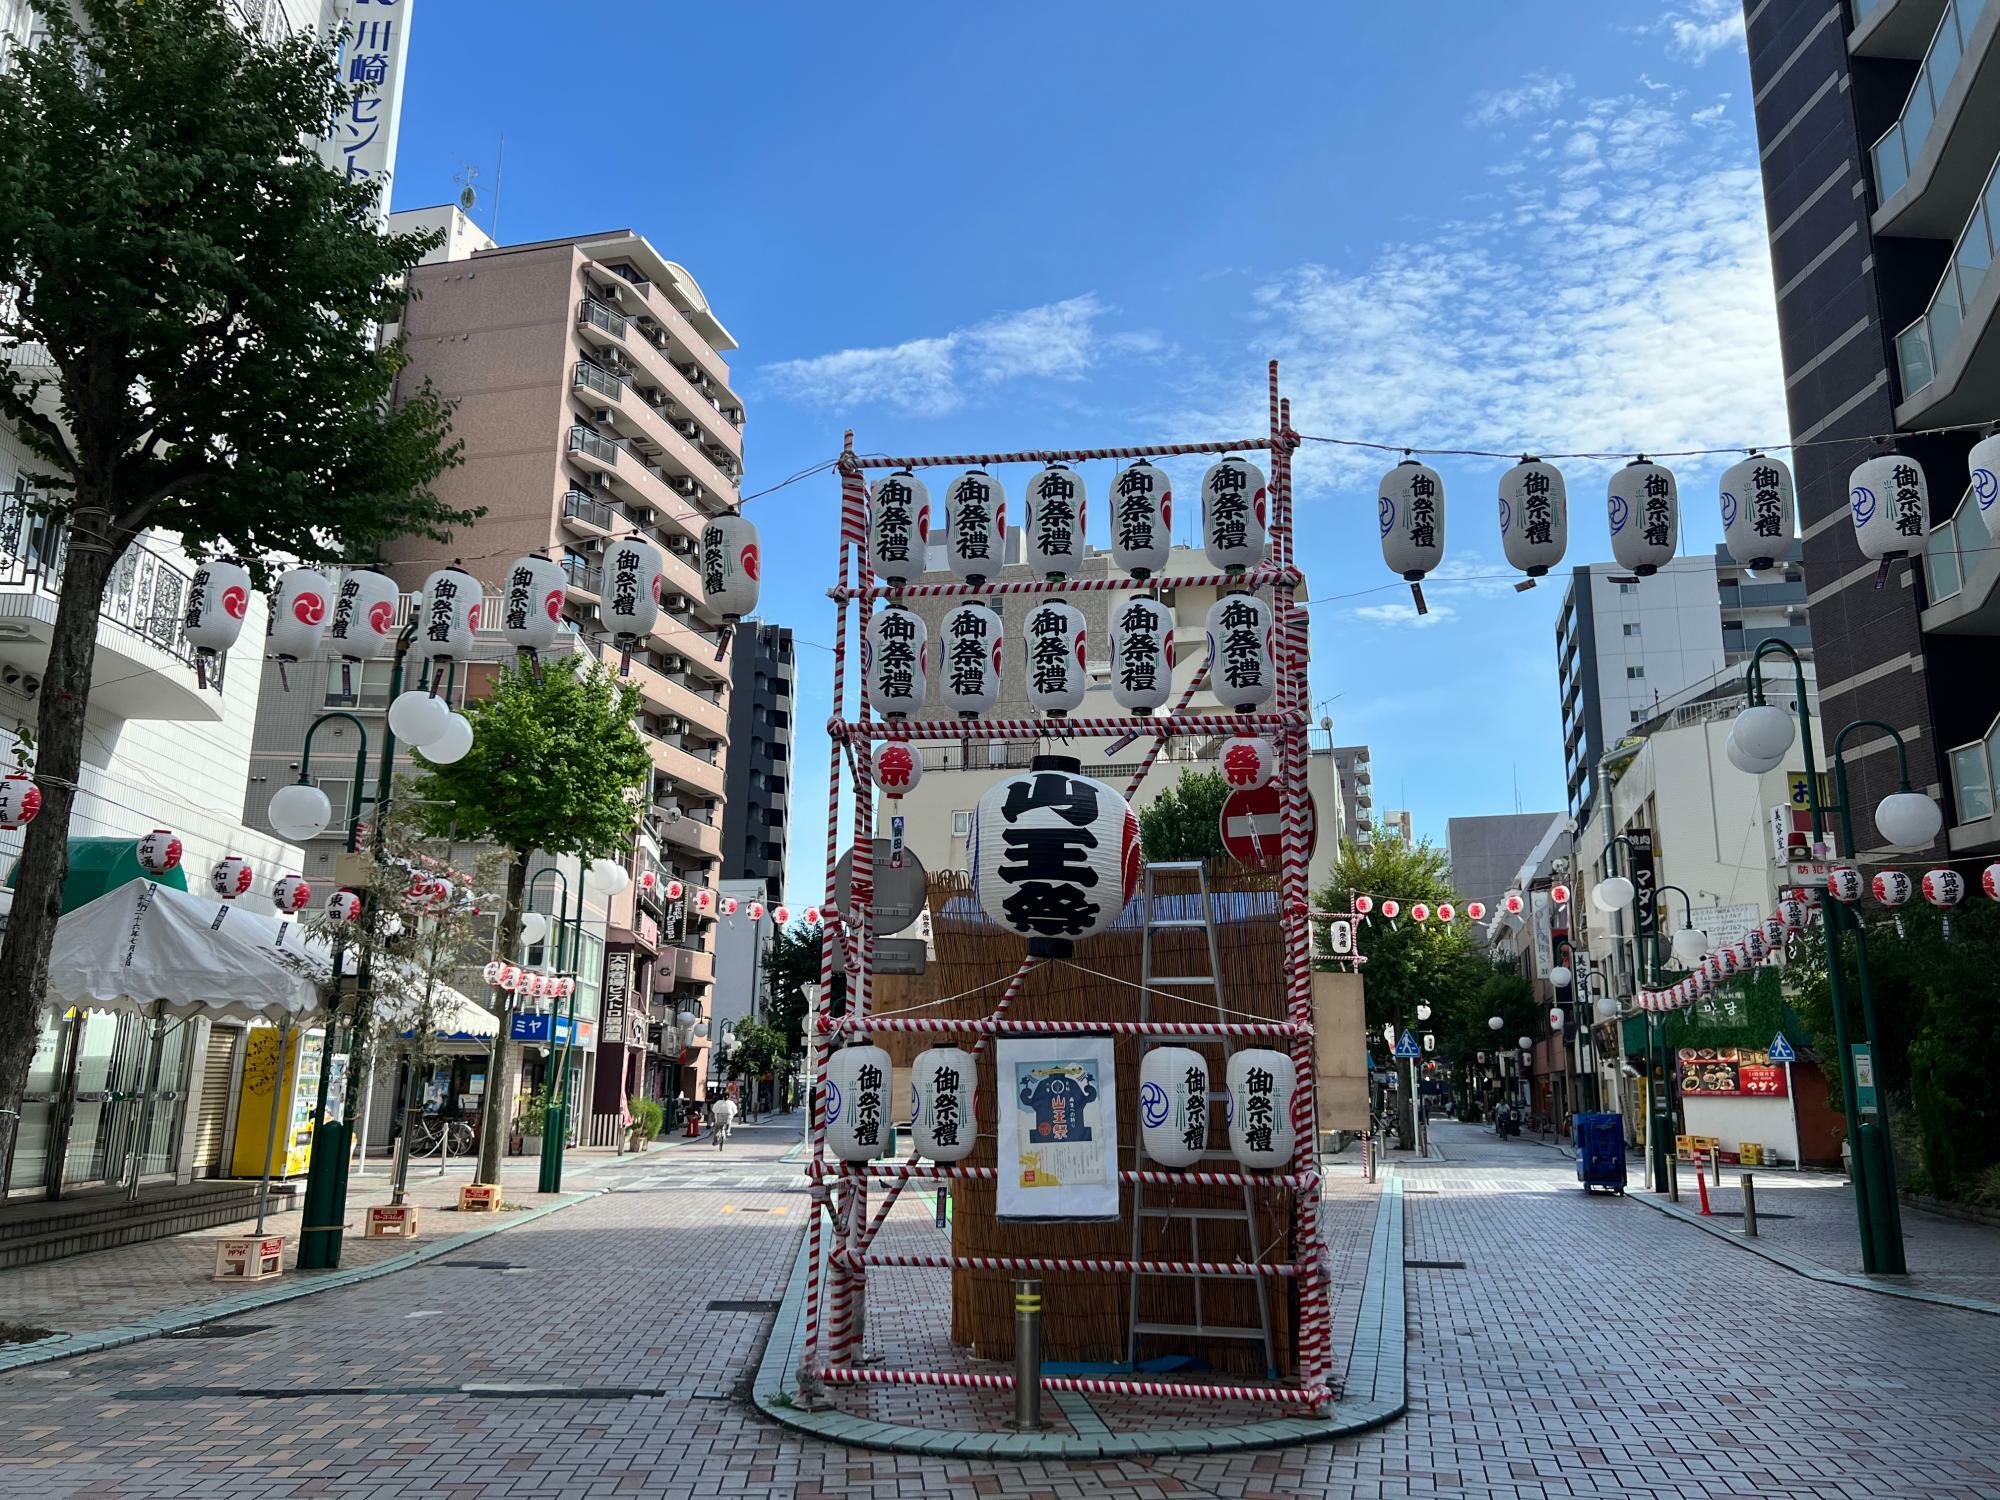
column 594, row 545
column 602, row 414
column 673, row 724
column 687, row 485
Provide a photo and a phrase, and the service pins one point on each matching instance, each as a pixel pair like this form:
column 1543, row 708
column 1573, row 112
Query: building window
column 1638, row 714
column 1628, row 588
column 1635, row 672
column 961, row 824
column 1971, row 783
column 367, row 684
column 1631, row 627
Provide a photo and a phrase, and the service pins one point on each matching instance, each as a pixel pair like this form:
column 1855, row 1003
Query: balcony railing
column 590, row 377
column 583, row 575
column 591, row 313
column 1928, row 342
column 594, row 445
column 1951, row 543
column 1900, row 145
column 583, row 506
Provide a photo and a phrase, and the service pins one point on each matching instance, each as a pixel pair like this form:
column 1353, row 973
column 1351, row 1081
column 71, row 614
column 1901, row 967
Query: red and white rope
column 1061, row 455
column 1095, row 1385
column 985, row 1026
column 1249, row 578
column 943, row 1171
column 1080, row 1263
column 1204, row 725
column 1160, row 741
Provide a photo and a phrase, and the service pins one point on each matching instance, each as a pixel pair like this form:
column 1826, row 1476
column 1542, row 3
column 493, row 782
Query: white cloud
column 1405, row 614
column 1709, row 27
column 1535, row 97
column 913, row 376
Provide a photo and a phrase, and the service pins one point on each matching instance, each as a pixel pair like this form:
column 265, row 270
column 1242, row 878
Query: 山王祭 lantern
column 1058, row 676
column 231, row 877
column 531, row 604
column 1142, row 519
column 1054, row 855
column 1242, row 669
column 970, row 639
column 1758, row 503
column 1944, row 887
column 1534, row 516
column 898, row 766
column 899, row 525
column 291, row 893
column 942, row 1085
column 1890, row 503
column 1248, row 761
column 1173, row 1105
column 364, row 620
column 975, row 525
column 1053, row 525
column 299, row 616
column 729, row 565
column 1142, row 653
column 855, row 1104
column 895, row 662
column 1892, row 887
column 1644, row 505
column 633, row 570
column 217, row 600
column 158, row 852
column 1260, row 1083
column 1233, row 515
column 1411, row 512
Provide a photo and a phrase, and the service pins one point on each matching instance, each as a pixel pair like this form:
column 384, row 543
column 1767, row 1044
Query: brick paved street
column 1588, row 1346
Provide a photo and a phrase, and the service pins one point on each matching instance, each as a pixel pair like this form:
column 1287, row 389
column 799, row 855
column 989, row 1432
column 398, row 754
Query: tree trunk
column 38, row 883
column 496, row 1105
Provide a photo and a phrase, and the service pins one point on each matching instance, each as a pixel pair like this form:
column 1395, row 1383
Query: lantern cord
column 947, row 999
column 1515, row 455
column 1227, row 1010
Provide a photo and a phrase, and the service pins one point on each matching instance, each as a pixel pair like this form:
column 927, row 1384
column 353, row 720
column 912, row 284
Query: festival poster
column 1058, row 1129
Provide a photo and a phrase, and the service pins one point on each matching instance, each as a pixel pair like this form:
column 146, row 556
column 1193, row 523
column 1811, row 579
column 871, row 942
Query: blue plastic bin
column 1600, row 1151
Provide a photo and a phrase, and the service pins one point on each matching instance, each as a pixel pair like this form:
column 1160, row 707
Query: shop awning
column 97, row 865
column 454, row 1018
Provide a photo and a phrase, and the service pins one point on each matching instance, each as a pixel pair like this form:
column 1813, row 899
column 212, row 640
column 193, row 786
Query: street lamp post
column 1612, row 894
column 555, row 1127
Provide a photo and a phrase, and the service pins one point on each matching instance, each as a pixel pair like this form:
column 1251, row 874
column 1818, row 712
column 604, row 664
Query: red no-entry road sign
column 1251, row 825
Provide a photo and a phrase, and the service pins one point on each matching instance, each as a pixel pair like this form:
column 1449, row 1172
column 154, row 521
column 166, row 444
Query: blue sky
column 1458, row 225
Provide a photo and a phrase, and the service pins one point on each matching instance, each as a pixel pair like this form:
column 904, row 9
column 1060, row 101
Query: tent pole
column 367, row 1100
column 136, row 1161
column 271, row 1129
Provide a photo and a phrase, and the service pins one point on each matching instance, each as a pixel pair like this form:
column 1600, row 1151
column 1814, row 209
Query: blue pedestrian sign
column 1408, row 1047
column 1781, row 1050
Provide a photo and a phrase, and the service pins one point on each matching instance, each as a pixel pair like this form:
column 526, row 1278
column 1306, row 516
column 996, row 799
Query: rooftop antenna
column 499, row 170
column 467, row 193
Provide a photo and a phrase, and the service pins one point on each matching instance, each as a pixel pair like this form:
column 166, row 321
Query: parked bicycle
column 441, row 1136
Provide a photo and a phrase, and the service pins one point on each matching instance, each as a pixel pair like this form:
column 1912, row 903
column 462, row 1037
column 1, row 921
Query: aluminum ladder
column 1193, row 1218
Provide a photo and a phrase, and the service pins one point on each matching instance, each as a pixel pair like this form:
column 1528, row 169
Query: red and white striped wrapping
column 1095, row 1385
column 1160, row 740
column 1203, row 725
column 986, row 1026
column 1116, row 1267
column 1273, row 1182
column 1056, row 455
column 1252, row 578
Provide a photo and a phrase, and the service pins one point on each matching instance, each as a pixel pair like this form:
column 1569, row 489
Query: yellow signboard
column 291, row 1083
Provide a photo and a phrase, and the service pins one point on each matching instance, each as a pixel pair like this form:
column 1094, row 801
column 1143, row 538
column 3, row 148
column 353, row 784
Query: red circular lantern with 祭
column 704, row 899
column 649, row 880
column 729, row 906
column 1559, row 894
column 1248, row 761
column 291, row 893
column 343, row 906
column 781, row 915
column 898, row 768
column 756, row 911
column 1893, row 887
column 1989, row 881
column 810, row 916
column 1392, row 909
column 158, row 852
column 1475, row 911
column 1944, row 887
column 20, row 800
column 1363, row 905
column 1512, row 904
column 675, row 890
column 1420, row 912
column 1446, row 912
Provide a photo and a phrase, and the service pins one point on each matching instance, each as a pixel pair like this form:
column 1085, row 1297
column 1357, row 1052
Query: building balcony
column 687, row 832
column 685, row 466
column 600, row 326
column 592, row 515
column 1975, row 769
column 1962, row 571
column 585, row 579
column 1929, row 164
column 1894, row 28
column 1949, row 359
column 708, row 716
column 692, row 966
column 676, row 338
column 698, row 774
column 594, row 383
column 594, row 451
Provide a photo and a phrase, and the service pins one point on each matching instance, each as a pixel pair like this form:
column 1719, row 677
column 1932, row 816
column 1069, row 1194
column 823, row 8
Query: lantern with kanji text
column 730, row 566
column 1534, row 516
column 899, row 524
column 975, row 525
column 1054, row 855
column 1242, row 664
column 895, row 662
column 1058, row 675
column 1758, row 503
column 969, row 652
column 1411, row 511
column 1644, row 505
column 1142, row 654
column 1233, row 515
column 1053, row 525
column 1142, row 519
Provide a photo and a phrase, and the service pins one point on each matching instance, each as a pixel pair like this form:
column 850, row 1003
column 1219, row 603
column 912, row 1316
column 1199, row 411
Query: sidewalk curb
column 1377, row 1386
column 68, row 1346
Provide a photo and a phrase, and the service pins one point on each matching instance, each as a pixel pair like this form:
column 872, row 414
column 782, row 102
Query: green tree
column 1408, row 963
column 1185, row 822
column 555, row 765
column 791, row 963
column 195, row 298
column 760, row 1048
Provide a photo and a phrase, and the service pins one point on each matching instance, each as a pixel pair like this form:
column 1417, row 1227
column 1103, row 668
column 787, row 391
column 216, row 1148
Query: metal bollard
column 1715, row 1166
column 1673, row 1179
column 1749, row 1206
column 1027, row 1356
column 1368, row 1155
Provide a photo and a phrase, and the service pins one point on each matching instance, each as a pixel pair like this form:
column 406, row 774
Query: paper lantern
column 1057, row 674
column 1392, row 909
column 1054, row 855
column 492, row 971
column 855, row 1104
column 1754, row 945
column 675, row 890
column 1944, row 887
column 1242, row 664
column 1411, row 510
column 730, row 565
column 20, row 800
column 975, row 526
column 1173, row 1105
column 1890, row 503
column 1260, row 1083
column 1475, row 911
column 1142, row 654
column 299, row 613
column 895, row 661
column 1534, row 516
column 531, row 604
column 1142, row 519
column 633, row 569
column 704, row 899
column 231, row 877
column 898, row 768
column 1774, row 932
column 1989, row 881
column 218, row 598
column 729, row 905
column 1559, row 894
column 1052, row 528
column 1446, row 912
column 1363, row 905
column 1758, row 504
column 450, row 606
column 364, row 615
column 969, row 645
column 344, row 906
column 1844, row 884
column 158, row 852
column 943, row 1120
column 1233, row 515
column 1248, row 762
column 1645, row 517
column 1555, row 1018
column 756, row 911
column 1892, row 887
column 781, row 915
column 1513, row 903
column 899, row 526
column 1420, row 912
column 810, row 916
column 291, row 893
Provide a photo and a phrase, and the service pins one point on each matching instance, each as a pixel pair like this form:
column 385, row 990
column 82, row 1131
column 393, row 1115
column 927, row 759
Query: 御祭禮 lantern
column 1260, row 1083
column 345, row 906
column 975, row 525
column 855, row 1104
column 1758, row 503
column 291, row 893
column 1142, row 654
column 1944, row 887
column 1058, row 676
column 1173, row 1105
column 942, row 1118
column 1052, row 528
column 1644, row 505
column 1890, row 502
column 899, row 766
column 1142, row 519
column 899, row 526
column 1242, row 669
column 1844, row 884
column 1233, row 515
column 158, row 852
column 1054, row 855
column 450, row 606
column 895, row 662
column 1892, row 887
column 217, row 600
column 364, row 620
column 633, row 570
column 969, row 646
column 231, row 877
column 299, row 616
column 1248, row 762
column 730, row 565
column 1411, row 510
column 1534, row 516
column 531, row 604
column 20, row 800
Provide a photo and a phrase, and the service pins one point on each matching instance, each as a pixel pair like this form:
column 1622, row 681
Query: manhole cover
column 1433, row 1265
column 218, row 1331
column 724, row 1304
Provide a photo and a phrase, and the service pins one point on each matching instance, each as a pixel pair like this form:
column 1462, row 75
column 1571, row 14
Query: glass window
column 1631, row 628
column 366, row 684
column 1628, row 588
column 961, row 824
column 1634, row 672
column 1972, row 783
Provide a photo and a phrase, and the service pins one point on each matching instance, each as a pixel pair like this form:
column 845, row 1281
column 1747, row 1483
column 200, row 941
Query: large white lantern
column 1249, row 761
column 1242, row 668
column 975, row 525
column 299, row 613
column 1142, row 519
column 531, row 604
column 856, row 1102
column 299, row 812
column 633, row 570
column 899, row 525
column 1983, row 466
column 1534, row 516
column 729, row 565
column 898, row 767
column 231, row 877
column 291, row 894
column 1411, row 510
column 1758, row 504
column 1892, row 887
column 218, row 599
column 1908, row 820
column 1944, row 887
column 895, row 661
column 1644, row 505
column 364, row 615
column 943, row 1085
column 1142, row 654
column 450, row 606
column 1890, row 504
column 1260, row 1107
column 1054, row 855
column 969, row 646
column 158, row 852
column 1057, row 673
column 345, row 906
column 1054, row 524
column 1233, row 515
column 1173, row 1105
column 1989, row 882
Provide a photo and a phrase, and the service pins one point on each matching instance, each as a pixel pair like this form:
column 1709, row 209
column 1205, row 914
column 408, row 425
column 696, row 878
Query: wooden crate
column 392, row 1221
column 479, row 1198
column 250, row 1257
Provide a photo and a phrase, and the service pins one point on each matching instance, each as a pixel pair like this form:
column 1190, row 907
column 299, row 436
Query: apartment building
column 756, row 816
column 1487, row 851
column 1354, row 774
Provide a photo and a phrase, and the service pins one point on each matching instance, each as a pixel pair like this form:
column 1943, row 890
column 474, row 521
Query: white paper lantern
column 417, row 717
column 1054, row 855
column 1445, row 913
column 756, row 911
column 633, row 569
column 1142, row 519
column 1411, row 510
column 1053, row 638
column 1989, row 881
column 781, row 915
column 345, row 906
column 1475, row 911
column 970, row 638
column 899, row 526
column 944, row 1122
column 1729, row 961
column 437, row 894
column 1173, row 1105
column 1242, row 666
column 450, row 607
column 299, row 613
column 704, row 899
column 1054, row 524
column 218, row 599
column 364, row 615
column 1844, row 884
column 300, row 812
column 20, row 800
column 1260, row 1107
column 1555, row 1018
column 856, row 1103
column 730, row 565
column 1248, row 761
column 1891, row 506
column 531, row 605
column 1758, row 506
column 1233, row 515
column 895, row 660
column 1534, row 516
column 1142, row 654
column 1983, row 467
column 975, row 525
column 231, row 877
column 899, row 766
column 291, row 893
column 1944, row 887
column 1892, row 887
column 729, row 904
column 158, row 852
column 1644, row 507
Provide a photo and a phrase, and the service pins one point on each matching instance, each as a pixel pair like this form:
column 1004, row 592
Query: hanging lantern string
column 1514, row 454
column 947, row 999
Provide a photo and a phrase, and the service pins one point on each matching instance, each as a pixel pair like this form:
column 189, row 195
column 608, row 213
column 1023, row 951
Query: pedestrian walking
column 721, row 1118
